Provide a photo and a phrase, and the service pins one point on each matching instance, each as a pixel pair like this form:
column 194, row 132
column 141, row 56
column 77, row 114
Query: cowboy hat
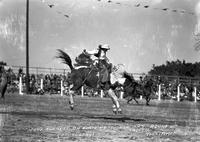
column 104, row 47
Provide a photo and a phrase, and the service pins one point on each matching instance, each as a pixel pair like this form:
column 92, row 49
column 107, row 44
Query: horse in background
column 134, row 89
column 89, row 76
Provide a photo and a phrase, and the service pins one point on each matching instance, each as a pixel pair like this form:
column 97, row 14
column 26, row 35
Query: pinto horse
column 88, row 76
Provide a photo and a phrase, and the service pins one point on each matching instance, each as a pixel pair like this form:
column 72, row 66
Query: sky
column 138, row 37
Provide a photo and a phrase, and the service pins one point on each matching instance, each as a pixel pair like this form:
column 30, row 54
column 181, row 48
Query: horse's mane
column 83, row 59
column 84, row 55
column 65, row 58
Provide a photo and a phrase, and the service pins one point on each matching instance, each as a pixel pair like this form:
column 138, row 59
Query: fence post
column 102, row 94
column 61, row 88
column 195, row 94
column 20, row 85
column 82, row 91
column 41, row 84
column 178, row 92
column 121, row 94
column 159, row 92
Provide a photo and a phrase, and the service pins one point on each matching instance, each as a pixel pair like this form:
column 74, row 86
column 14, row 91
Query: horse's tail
column 65, row 58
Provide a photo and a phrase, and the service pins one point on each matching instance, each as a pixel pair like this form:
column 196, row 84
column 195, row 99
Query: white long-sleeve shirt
column 101, row 57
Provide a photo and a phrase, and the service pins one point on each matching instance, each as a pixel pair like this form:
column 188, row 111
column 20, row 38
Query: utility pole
column 27, row 46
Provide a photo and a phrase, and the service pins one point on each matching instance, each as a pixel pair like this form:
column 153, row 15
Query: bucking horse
column 89, row 76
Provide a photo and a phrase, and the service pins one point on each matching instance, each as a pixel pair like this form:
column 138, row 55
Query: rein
column 87, row 76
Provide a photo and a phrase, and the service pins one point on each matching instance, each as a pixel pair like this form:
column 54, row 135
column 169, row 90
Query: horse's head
column 129, row 87
column 129, row 79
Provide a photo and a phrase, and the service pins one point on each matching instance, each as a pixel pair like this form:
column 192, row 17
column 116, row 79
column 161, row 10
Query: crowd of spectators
column 51, row 82
column 170, row 84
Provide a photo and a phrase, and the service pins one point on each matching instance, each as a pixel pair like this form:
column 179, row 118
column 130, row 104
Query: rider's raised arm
column 92, row 52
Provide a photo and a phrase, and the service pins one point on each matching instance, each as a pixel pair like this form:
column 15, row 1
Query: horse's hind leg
column 71, row 98
column 116, row 106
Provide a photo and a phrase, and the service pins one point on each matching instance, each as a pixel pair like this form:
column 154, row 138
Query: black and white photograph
column 99, row 70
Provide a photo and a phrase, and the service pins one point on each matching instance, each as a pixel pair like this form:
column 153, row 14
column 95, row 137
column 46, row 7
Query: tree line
column 177, row 68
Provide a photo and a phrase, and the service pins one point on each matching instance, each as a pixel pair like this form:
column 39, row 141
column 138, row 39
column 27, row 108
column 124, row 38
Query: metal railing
column 41, row 70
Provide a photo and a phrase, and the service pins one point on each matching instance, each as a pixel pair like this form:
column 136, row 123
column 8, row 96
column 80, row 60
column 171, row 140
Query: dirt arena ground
column 48, row 118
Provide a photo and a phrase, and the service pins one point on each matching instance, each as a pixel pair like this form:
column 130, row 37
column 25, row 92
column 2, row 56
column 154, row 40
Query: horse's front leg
column 116, row 105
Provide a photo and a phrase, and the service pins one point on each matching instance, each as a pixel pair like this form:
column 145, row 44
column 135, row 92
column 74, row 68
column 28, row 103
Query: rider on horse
column 102, row 62
column 96, row 75
column 96, row 58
